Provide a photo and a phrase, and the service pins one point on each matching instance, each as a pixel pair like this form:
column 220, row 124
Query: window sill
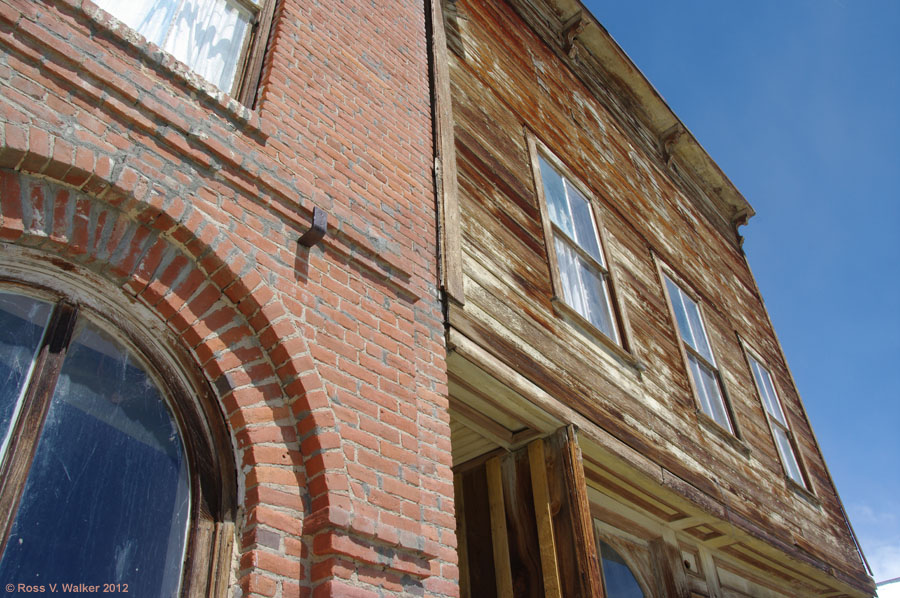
column 585, row 328
column 713, row 426
column 803, row 492
column 158, row 60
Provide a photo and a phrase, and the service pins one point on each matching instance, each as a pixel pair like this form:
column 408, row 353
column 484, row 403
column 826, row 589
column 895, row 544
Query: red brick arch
column 232, row 323
column 247, row 346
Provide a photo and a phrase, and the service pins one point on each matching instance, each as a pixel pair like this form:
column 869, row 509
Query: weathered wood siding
column 505, row 81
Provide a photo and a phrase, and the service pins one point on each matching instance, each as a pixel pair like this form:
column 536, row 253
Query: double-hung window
column 220, row 40
column 574, row 244
column 777, row 421
column 700, row 358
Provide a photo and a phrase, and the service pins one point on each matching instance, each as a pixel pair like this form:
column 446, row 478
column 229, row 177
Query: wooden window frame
column 210, row 532
column 624, row 544
column 731, row 433
column 250, row 64
column 754, row 356
column 620, row 344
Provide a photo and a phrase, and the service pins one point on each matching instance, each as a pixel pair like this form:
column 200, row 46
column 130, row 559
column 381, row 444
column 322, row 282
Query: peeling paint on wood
column 505, row 80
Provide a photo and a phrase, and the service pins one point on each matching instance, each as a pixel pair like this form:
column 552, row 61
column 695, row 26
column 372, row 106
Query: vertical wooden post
column 462, row 546
column 446, row 183
column 544, row 517
column 498, row 528
column 667, row 567
column 588, row 562
column 711, row 572
column 521, row 526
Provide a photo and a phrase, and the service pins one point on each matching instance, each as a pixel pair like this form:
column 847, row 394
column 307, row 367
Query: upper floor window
column 777, row 421
column 220, row 40
column 701, row 362
column 578, row 267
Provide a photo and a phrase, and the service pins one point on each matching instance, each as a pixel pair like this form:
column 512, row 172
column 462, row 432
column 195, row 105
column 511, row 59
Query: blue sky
column 798, row 101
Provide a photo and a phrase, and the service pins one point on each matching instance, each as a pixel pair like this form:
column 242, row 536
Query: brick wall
column 328, row 363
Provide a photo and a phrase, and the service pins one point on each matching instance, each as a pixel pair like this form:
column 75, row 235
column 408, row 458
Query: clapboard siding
column 506, row 83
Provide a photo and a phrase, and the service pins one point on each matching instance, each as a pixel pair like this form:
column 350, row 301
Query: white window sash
column 709, row 389
column 701, row 363
column 580, row 265
column 781, row 432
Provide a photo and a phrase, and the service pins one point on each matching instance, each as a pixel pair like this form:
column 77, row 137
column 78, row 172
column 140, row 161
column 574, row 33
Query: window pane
column 107, row 497
column 787, row 454
column 620, row 581
column 690, row 325
column 759, row 376
column 568, row 272
column 585, row 232
column 555, row 194
column 585, row 289
column 684, row 327
column 767, row 391
column 711, row 400
column 701, row 343
column 22, row 324
column 775, row 404
column 208, row 36
column 597, row 300
column 150, row 18
column 698, row 377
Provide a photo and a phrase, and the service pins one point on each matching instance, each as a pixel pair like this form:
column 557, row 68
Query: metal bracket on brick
column 317, row 230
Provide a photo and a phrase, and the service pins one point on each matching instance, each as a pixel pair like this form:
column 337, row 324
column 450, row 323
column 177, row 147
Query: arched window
column 618, row 579
column 100, row 482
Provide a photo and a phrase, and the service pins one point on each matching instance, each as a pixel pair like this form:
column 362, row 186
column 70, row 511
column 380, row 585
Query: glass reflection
column 107, row 497
column 555, row 193
column 620, row 581
column 22, row 324
column 586, row 234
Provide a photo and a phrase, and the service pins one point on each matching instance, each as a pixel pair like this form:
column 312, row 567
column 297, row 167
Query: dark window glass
column 620, row 581
column 22, row 323
column 107, row 495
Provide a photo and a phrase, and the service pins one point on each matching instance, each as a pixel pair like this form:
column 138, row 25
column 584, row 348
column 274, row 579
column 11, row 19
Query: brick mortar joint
column 353, row 525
